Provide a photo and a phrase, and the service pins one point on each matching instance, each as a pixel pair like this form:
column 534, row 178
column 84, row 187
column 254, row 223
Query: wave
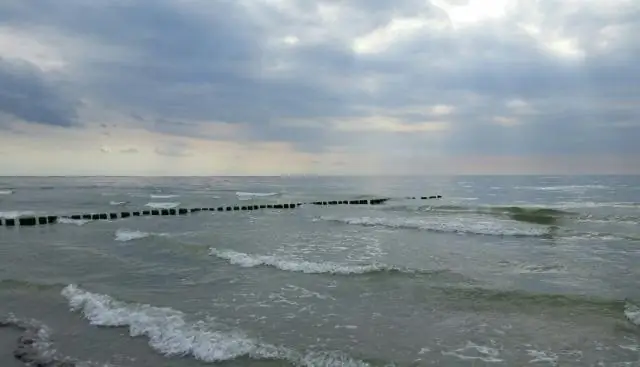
column 618, row 219
column 309, row 267
column 167, row 196
column 518, row 213
column 521, row 299
column 540, row 268
column 78, row 222
column 478, row 352
column 118, row 203
column 6, row 192
column 294, row 265
column 599, row 236
column 167, row 205
column 250, row 195
column 171, row 334
column 593, row 204
column 632, row 312
column 124, row 235
column 15, row 214
column 459, row 225
column 531, row 215
column 570, row 188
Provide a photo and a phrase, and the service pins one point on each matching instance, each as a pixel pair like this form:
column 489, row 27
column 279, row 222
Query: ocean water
column 503, row 270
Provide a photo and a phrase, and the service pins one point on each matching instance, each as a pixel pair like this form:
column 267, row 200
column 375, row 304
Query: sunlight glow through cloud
column 474, row 11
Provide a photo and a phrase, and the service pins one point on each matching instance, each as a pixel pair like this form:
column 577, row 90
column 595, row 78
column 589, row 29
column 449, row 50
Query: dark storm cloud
column 210, row 61
column 25, row 93
column 187, row 65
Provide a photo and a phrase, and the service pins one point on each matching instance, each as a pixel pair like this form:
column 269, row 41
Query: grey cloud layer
column 27, row 94
column 204, row 60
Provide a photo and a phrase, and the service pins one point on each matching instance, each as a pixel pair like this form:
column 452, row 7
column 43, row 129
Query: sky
column 328, row 87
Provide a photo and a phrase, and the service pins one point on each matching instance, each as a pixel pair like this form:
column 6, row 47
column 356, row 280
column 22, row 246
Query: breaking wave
column 167, row 196
column 518, row 213
column 632, row 312
column 594, row 204
column 118, row 203
column 124, row 235
column 309, row 267
column 473, row 351
column 568, row 188
column 171, row 334
column 14, row 214
column 167, row 205
column 450, row 225
column 78, row 222
column 6, row 192
column 599, row 236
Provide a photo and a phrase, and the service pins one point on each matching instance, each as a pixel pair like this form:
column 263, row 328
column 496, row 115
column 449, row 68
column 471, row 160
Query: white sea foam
column 167, row 196
column 540, row 268
column 78, row 222
column 39, row 349
column 124, row 235
column 250, row 195
column 41, row 332
column 171, row 334
column 14, row 214
column 36, row 348
column 618, row 220
column 474, row 351
column 6, row 192
column 568, row 188
column 118, row 203
column 632, row 312
column 540, row 356
column 571, row 236
column 632, row 347
column 296, row 265
column 168, row 205
column 592, row 204
column 305, row 293
column 494, row 227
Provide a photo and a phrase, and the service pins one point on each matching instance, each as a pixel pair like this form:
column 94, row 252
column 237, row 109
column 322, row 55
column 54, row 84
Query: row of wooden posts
column 51, row 219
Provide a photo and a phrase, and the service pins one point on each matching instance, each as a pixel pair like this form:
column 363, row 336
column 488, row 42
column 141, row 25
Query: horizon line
column 330, row 175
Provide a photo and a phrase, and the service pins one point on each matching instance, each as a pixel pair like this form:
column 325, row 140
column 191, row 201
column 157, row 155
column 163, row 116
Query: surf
column 527, row 214
column 172, row 334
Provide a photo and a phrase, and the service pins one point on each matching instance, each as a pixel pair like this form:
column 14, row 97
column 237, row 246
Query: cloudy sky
column 237, row 87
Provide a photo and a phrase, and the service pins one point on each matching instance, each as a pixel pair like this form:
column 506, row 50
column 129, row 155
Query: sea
column 501, row 271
